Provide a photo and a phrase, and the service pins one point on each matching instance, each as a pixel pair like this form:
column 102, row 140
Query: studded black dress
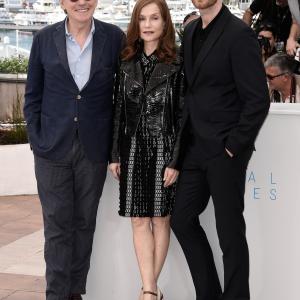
column 143, row 161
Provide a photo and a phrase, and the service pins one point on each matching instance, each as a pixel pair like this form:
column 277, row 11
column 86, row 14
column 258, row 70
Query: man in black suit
column 68, row 109
column 225, row 105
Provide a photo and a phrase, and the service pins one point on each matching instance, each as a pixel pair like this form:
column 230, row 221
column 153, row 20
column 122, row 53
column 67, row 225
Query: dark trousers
column 223, row 178
column 69, row 190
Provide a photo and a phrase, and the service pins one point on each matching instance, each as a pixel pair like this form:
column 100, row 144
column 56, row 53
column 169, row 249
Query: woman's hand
column 115, row 169
column 170, row 176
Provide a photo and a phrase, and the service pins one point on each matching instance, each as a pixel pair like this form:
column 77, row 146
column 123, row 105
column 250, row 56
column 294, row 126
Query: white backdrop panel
column 272, row 215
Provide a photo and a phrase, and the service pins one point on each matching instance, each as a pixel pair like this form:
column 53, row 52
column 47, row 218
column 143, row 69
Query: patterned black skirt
column 143, row 161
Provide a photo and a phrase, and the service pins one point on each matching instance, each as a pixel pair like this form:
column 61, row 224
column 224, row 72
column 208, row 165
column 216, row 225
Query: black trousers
column 69, row 190
column 223, row 178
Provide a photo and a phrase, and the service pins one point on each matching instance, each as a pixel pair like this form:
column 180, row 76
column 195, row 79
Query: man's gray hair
column 282, row 61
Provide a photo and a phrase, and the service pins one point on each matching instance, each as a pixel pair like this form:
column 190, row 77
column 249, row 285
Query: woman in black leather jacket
column 147, row 116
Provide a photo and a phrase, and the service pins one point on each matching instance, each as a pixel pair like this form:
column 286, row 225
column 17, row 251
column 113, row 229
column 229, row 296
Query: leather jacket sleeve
column 118, row 116
column 178, row 113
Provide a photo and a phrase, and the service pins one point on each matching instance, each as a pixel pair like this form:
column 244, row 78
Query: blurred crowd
column 277, row 26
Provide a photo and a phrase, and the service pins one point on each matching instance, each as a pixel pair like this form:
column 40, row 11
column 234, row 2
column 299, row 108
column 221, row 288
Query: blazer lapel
column 212, row 38
column 60, row 41
column 188, row 50
column 99, row 39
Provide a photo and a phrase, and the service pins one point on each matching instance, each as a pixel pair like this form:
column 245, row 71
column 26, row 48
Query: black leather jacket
column 163, row 97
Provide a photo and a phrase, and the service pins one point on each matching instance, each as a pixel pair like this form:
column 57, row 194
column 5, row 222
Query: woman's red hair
column 166, row 51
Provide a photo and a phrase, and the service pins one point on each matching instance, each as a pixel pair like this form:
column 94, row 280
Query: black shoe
column 75, row 297
column 151, row 293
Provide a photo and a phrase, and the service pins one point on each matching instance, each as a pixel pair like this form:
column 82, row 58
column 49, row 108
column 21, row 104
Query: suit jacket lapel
column 99, row 39
column 60, row 41
column 212, row 38
column 188, row 50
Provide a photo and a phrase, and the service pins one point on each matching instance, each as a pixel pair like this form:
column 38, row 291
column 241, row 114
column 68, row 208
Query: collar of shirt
column 152, row 58
column 200, row 35
column 209, row 27
column 71, row 38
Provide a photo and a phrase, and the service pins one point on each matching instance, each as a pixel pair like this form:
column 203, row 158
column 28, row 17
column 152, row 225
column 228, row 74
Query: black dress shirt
column 201, row 34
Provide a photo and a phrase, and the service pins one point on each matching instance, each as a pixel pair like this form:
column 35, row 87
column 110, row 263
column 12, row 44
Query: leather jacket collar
column 161, row 72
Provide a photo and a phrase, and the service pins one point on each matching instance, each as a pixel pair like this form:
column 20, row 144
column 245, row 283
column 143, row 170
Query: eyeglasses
column 271, row 77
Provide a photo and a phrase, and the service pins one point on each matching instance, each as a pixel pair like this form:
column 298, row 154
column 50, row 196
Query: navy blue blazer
column 55, row 108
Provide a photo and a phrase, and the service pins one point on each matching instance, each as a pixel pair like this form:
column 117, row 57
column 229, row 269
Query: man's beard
column 204, row 4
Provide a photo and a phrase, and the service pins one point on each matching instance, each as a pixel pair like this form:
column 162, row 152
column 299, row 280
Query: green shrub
column 16, row 135
column 14, row 65
column 16, row 132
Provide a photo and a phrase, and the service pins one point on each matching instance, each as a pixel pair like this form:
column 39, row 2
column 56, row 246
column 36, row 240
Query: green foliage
column 14, row 65
column 16, row 133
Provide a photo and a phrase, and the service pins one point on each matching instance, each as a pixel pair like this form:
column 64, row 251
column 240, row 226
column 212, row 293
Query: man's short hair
column 267, row 26
column 193, row 13
column 282, row 61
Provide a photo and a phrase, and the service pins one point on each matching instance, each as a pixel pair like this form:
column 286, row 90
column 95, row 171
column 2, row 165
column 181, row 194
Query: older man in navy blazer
column 68, row 109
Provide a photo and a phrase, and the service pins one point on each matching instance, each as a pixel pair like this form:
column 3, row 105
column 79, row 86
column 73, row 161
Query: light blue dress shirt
column 80, row 59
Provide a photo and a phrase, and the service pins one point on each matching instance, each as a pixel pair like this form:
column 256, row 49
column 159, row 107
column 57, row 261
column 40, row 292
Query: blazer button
column 78, row 97
column 75, row 119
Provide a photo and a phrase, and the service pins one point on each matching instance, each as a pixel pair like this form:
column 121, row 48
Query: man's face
column 79, row 11
column 282, row 3
column 268, row 35
column 204, row 4
column 276, row 82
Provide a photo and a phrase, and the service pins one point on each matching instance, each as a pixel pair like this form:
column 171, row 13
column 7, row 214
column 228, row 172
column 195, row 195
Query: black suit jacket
column 55, row 108
column 227, row 96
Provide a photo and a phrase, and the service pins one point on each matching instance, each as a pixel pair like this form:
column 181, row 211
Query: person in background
column 187, row 19
column 68, row 110
column 292, row 42
column 274, row 11
column 284, row 85
column 267, row 34
column 295, row 10
column 146, row 137
column 190, row 17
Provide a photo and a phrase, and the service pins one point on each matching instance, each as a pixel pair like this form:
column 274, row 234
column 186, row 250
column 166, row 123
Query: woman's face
column 151, row 23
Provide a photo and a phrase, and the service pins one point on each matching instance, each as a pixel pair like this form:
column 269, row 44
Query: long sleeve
column 34, row 91
column 250, row 80
column 118, row 116
column 178, row 114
